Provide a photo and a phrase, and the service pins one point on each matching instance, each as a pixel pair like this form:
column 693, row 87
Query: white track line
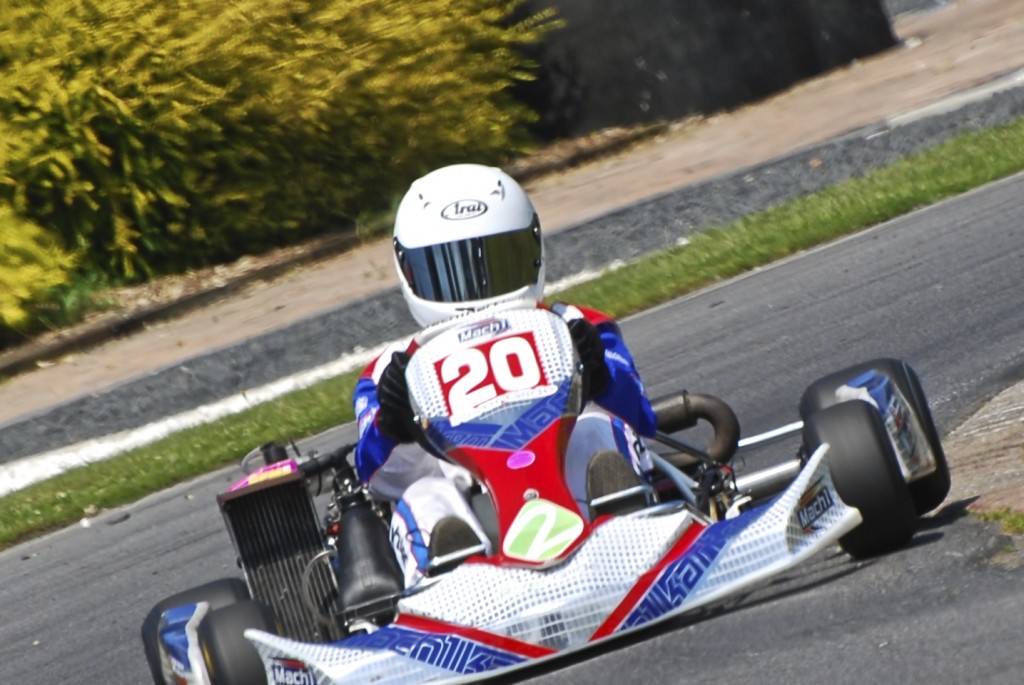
column 23, row 472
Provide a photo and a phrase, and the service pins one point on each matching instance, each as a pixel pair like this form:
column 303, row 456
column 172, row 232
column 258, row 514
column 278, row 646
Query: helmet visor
column 473, row 268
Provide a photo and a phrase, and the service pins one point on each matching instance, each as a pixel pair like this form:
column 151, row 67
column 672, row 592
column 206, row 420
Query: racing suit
column 426, row 489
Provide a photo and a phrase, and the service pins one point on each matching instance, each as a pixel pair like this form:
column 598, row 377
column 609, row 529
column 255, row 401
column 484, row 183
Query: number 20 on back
column 474, row 379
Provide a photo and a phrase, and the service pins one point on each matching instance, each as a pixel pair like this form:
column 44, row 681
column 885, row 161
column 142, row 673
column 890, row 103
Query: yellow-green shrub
column 156, row 135
column 31, row 263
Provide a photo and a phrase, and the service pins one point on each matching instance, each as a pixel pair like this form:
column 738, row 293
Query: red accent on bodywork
column 545, row 476
column 594, row 316
column 644, row 583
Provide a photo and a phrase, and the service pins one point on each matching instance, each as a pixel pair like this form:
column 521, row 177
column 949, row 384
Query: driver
column 467, row 237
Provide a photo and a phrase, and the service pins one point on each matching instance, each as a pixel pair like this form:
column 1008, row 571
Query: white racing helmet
column 466, row 237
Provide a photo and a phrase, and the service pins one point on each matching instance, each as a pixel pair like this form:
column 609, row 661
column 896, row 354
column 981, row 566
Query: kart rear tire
column 230, row 658
column 865, row 474
column 928, row 492
column 218, row 594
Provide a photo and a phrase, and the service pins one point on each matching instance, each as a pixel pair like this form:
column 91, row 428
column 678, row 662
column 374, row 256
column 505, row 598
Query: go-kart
column 498, row 392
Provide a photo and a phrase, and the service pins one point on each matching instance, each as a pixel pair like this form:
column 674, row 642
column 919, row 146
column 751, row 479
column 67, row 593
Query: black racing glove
column 587, row 340
column 395, row 417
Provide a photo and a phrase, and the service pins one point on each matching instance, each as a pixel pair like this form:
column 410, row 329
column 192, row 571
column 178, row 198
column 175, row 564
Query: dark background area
column 622, row 62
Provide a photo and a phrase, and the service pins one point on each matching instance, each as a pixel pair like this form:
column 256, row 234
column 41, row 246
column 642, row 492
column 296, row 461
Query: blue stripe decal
column 511, row 433
column 619, row 431
column 419, row 547
column 446, row 651
column 171, row 631
column 684, row 574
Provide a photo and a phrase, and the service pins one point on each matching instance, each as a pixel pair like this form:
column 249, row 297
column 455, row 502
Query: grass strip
column 962, row 163
column 1012, row 522
column 965, row 162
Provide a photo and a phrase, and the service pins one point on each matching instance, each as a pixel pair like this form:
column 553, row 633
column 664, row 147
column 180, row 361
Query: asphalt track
column 940, row 288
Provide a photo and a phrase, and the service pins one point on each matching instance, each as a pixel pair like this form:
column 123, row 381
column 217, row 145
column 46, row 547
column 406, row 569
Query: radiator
column 274, row 527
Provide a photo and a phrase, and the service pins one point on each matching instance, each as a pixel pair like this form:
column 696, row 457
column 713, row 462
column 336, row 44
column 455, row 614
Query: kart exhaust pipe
column 683, row 410
column 768, row 482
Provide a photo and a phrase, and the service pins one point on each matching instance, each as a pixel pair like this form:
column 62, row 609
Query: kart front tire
column 230, row 658
column 866, row 475
column 928, row 492
column 217, row 593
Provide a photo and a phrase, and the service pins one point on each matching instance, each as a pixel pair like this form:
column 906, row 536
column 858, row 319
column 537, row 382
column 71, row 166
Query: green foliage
column 1012, row 521
column 31, row 264
column 154, row 136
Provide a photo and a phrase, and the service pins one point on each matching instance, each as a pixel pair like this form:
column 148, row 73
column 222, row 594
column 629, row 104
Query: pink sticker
column 265, row 473
column 520, row 460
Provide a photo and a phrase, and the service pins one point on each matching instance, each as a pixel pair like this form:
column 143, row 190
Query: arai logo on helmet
column 463, row 209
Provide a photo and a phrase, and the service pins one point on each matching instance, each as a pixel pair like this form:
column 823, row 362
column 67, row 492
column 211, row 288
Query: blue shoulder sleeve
column 372, row 449
column 625, row 395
